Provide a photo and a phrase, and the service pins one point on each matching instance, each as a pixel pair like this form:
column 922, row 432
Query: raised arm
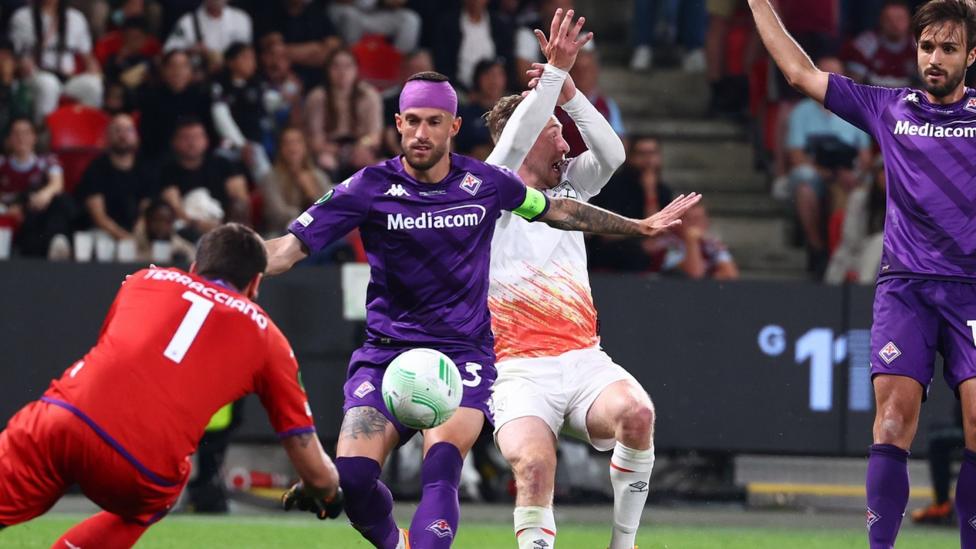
column 796, row 65
column 572, row 215
column 283, row 253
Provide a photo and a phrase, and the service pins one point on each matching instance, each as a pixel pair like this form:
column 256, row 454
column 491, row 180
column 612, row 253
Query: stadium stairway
column 712, row 156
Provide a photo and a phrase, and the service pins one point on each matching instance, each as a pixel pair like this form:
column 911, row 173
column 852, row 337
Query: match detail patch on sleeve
column 534, row 205
column 305, row 219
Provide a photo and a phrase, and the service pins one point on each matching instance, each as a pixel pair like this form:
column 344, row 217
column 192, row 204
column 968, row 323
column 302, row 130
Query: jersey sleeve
column 279, row 387
column 856, row 103
column 591, row 170
column 528, row 120
column 335, row 214
column 515, row 197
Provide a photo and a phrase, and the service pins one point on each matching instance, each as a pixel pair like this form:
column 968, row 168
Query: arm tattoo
column 363, row 421
column 572, row 215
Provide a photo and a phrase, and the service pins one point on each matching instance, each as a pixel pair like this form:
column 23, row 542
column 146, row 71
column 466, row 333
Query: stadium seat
column 111, row 43
column 379, row 62
column 77, row 138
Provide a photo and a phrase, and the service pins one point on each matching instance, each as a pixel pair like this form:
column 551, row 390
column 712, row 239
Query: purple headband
column 424, row 94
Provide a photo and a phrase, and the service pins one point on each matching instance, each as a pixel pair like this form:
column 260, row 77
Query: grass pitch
column 293, row 532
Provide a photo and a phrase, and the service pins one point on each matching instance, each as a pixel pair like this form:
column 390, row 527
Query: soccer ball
column 422, row 388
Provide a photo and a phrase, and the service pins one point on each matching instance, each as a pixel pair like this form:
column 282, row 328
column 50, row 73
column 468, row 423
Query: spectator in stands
column 174, row 97
column 31, row 191
column 55, row 45
column 390, row 18
column 156, row 238
column 526, row 44
column 117, row 186
column 118, row 99
column 728, row 92
column 467, row 35
column 858, row 256
column 16, row 98
column 239, row 114
column 277, row 75
column 490, row 83
column 209, row 30
column 636, row 190
column 293, row 184
column 344, row 118
column 131, row 64
column 218, row 187
column 886, row 56
column 809, row 125
column 308, row 34
column 689, row 19
column 694, row 253
column 416, row 62
column 586, row 73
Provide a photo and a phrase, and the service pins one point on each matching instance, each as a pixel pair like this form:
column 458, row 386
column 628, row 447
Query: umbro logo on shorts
column 638, row 487
column 364, row 389
column 540, row 543
column 889, row 352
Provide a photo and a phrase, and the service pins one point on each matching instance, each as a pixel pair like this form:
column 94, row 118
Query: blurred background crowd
column 132, row 126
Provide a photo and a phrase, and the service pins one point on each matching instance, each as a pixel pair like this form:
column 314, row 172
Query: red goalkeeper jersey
column 174, row 349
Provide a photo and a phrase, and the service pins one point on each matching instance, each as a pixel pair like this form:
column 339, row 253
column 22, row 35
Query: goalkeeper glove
column 296, row 497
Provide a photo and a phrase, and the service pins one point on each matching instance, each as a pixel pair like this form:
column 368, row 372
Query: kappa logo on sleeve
column 470, row 184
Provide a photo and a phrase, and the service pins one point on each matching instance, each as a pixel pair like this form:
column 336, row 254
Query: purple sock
column 369, row 504
column 887, row 486
column 966, row 500
column 436, row 520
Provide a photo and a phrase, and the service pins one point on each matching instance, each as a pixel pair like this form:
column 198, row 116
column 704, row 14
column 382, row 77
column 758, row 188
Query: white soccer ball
column 422, row 388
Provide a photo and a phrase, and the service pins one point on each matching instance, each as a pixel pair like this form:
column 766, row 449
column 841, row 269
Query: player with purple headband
column 427, row 220
column 926, row 295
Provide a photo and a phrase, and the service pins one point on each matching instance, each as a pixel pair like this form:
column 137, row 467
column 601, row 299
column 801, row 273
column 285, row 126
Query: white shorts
column 558, row 390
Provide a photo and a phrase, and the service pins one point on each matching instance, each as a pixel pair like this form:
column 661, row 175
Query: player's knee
column 354, row 478
column 893, row 426
column 533, row 472
column 637, row 420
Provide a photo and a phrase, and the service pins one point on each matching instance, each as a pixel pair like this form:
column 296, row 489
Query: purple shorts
column 368, row 364
column 914, row 318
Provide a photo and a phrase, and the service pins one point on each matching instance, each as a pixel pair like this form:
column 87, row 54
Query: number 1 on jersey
column 192, row 322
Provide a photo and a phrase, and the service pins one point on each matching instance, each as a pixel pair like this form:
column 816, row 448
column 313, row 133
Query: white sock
column 630, row 471
column 535, row 528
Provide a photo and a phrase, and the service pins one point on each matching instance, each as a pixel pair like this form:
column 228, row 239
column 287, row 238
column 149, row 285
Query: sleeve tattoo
column 572, row 215
column 363, row 421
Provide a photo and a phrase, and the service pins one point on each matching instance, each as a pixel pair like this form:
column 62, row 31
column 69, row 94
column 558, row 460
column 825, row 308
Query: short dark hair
column 156, row 205
column 17, row 119
column 498, row 116
column 187, row 121
column 235, row 49
column 231, row 252
column 168, row 56
column 429, row 76
column 481, row 67
column 938, row 12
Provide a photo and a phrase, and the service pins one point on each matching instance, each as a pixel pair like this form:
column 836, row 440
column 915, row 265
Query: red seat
column 379, row 62
column 110, row 44
column 77, row 138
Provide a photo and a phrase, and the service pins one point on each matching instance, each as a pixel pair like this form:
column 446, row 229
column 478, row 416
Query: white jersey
column 539, row 292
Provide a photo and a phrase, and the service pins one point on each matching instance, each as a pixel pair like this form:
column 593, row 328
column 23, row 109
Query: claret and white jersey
column 550, row 364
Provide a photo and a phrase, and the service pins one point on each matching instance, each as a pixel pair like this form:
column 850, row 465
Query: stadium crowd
column 132, row 126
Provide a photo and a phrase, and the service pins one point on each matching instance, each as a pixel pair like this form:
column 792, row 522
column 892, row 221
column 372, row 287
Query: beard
column 422, row 165
column 950, row 80
column 120, row 150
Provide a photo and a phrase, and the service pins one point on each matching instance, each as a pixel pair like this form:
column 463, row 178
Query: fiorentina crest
column 872, row 518
column 971, row 104
column 470, row 184
column 889, row 352
column 441, row 528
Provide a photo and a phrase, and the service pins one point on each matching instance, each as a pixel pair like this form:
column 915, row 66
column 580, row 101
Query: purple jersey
column 428, row 246
column 930, row 166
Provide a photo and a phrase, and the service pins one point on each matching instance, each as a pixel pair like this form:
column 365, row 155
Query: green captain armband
column 534, row 205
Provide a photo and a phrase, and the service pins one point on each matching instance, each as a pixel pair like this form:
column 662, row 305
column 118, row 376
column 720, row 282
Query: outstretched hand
column 296, row 497
column 564, row 41
column 670, row 217
column 567, row 92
